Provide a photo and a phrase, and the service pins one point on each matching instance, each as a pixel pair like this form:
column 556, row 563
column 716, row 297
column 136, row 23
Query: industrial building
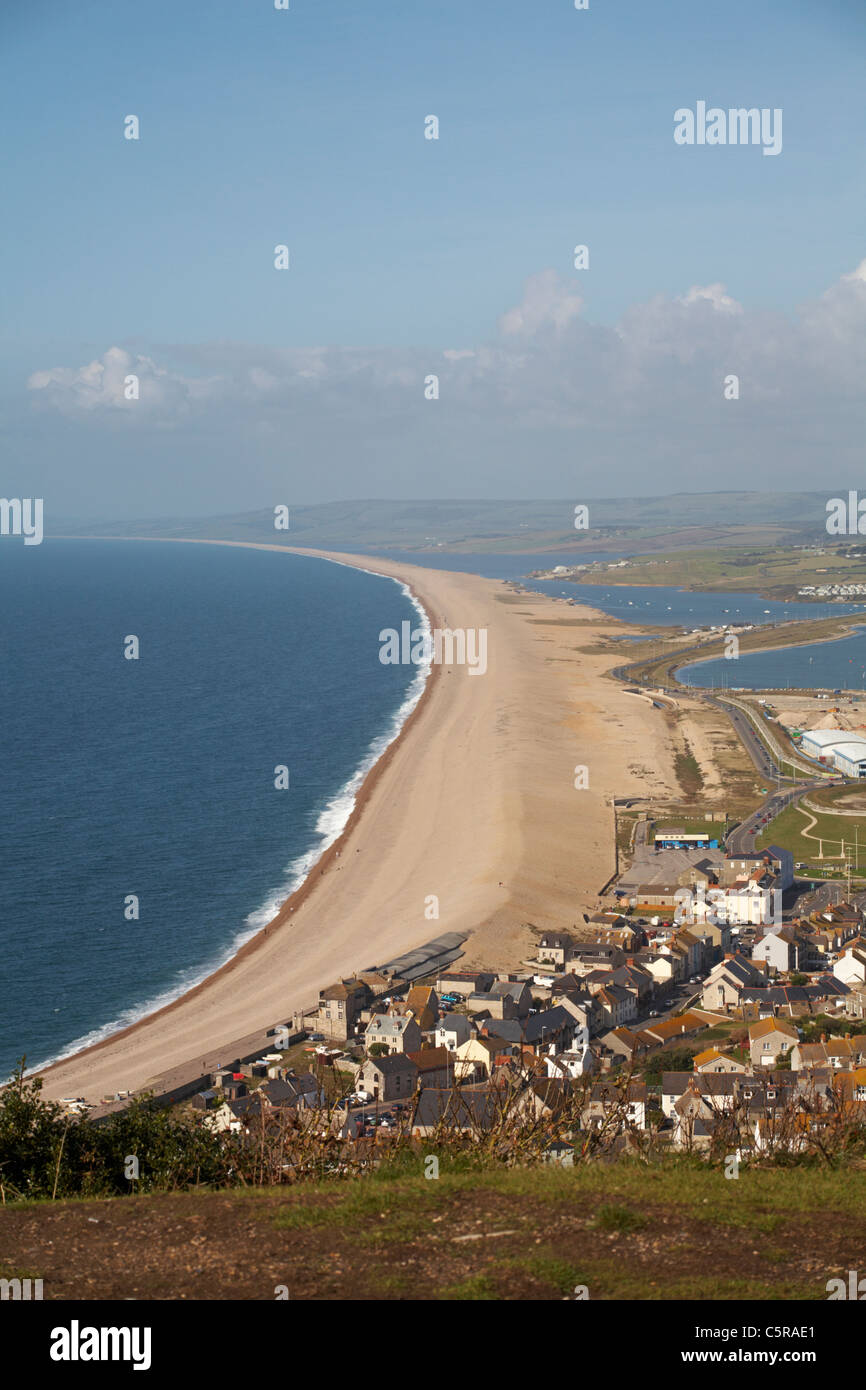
column 843, row 749
column 849, row 758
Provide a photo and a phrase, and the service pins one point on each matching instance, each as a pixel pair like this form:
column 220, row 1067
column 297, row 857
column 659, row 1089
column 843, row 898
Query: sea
column 144, row 836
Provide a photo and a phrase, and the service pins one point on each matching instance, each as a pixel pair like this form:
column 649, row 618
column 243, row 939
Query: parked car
column 317, row 1037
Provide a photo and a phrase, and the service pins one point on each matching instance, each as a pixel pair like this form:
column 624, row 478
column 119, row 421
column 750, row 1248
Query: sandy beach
column 475, row 803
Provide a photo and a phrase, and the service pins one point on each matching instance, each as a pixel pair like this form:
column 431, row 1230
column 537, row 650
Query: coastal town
column 433, row 636
column 710, row 1026
column 715, row 995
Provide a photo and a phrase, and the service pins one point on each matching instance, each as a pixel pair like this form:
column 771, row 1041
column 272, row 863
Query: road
column 767, row 756
column 742, row 840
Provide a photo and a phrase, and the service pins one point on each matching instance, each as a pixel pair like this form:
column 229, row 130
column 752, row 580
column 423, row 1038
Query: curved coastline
column 323, row 860
column 471, row 807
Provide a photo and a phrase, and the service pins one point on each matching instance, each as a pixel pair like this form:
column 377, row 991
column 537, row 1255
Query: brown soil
column 481, row 1244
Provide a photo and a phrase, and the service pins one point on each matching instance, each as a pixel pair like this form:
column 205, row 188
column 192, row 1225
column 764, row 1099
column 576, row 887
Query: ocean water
column 839, row 665
column 155, row 777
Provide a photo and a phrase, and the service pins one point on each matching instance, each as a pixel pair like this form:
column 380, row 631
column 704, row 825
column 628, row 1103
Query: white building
column 851, row 967
column 843, row 748
column 748, row 904
column 849, row 758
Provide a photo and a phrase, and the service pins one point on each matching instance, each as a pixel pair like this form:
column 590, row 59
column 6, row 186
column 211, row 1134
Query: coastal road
column 825, row 895
column 742, row 840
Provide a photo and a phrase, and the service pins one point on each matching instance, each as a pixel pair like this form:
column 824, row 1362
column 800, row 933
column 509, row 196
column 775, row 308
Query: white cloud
column 548, row 302
column 714, row 295
column 550, row 387
column 100, row 386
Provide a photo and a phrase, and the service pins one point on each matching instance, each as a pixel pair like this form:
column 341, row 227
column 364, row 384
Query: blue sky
column 306, row 127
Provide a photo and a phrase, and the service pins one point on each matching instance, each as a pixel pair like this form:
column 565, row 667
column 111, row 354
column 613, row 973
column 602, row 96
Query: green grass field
column 772, row 571
column 840, row 837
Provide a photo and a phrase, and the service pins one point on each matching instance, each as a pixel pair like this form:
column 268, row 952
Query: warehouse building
column 818, row 743
column 849, row 758
column 841, row 748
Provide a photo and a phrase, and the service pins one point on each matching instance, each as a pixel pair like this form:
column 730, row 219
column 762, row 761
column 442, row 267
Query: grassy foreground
column 623, row 1230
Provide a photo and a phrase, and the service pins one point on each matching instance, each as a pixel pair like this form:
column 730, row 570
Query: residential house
column 295, row 1090
column 470, row 1108
column 555, row 947
column 664, row 968
column 423, row 1004
column 518, row 991
column 711, row 1060
column 618, row 1005
column 504, row 999
column 435, row 1067
column 451, row 1031
column 783, row 950
column 606, row 1098
column 670, row 1029
column 724, row 984
column 692, row 945
column 636, row 979
column 583, row 1006
column 572, row 1065
column 625, row 1044
column 551, row 1030
column 771, row 1039
column 779, row 862
column 838, row 1053
column 397, row 1032
column 389, row 1078
column 475, row 1059
column 850, row 968
column 340, row 1007
column 592, row 955
column 718, row 1091
column 716, row 940
column 854, row 1003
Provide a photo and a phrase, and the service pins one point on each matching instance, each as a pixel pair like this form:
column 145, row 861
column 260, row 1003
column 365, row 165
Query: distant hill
column 648, row 523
